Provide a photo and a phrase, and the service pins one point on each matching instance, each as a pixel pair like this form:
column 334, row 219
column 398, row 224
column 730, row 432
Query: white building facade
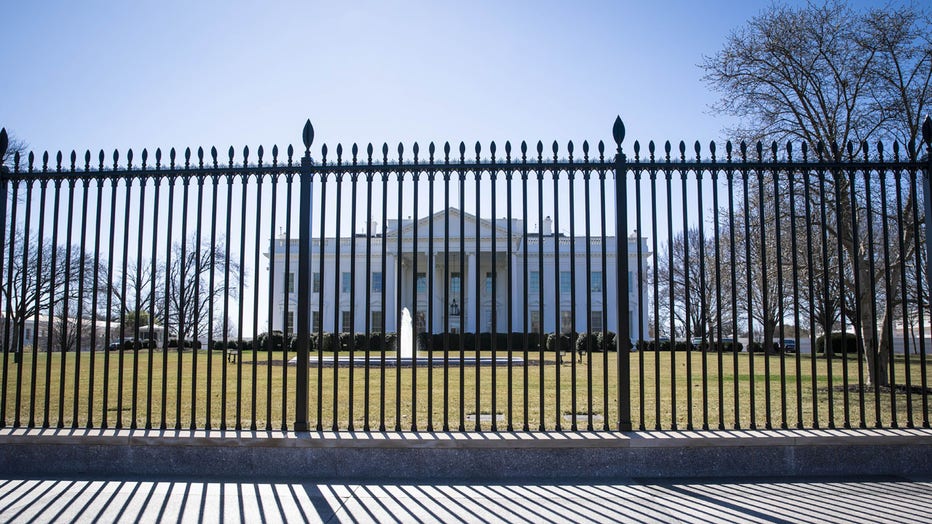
column 466, row 290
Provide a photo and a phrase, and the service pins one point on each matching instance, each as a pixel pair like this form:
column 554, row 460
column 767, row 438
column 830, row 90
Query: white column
column 469, row 301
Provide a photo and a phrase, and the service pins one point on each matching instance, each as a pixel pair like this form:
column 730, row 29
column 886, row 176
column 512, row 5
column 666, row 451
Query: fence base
column 465, row 456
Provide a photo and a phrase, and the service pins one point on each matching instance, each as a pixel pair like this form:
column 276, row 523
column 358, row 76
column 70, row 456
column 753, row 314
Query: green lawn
column 253, row 393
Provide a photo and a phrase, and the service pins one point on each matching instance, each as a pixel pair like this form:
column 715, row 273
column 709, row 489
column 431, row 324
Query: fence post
column 623, row 336
column 303, row 313
column 927, row 194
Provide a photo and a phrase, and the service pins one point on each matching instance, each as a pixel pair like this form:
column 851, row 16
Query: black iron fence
column 499, row 289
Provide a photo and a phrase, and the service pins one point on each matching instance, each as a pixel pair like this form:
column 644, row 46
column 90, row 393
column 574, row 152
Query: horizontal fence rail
column 484, row 288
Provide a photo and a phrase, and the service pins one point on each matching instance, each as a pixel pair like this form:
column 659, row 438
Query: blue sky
column 111, row 75
column 146, row 74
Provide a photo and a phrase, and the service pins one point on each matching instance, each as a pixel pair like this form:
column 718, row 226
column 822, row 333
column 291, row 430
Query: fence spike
column 274, row 154
column 416, row 150
column 230, row 154
column 355, row 151
column 74, row 159
column 87, row 159
column 129, row 159
column 323, row 153
column 585, row 148
column 508, row 150
column 213, row 154
column 116, row 158
column 478, row 150
column 260, row 153
column 712, row 148
column 145, row 158
column 789, row 150
column 637, row 148
column 540, row 149
column 401, row 151
column 32, row 158
column 245, row 156
column 851, row 150
column 911, row 149
column 523, row 149
column 927, row 131
column 743, row 147
column 698, row 149
column 308, row 136
column 4, row 142
column 384, row 152
column 760, row 151
column 618, row 131
column 556, row 147
column 601, row 150
column 339, row 153
column 462, row 150
column 865, row 149
column 492, row 149
column 880, row 149
column 651, row 147
column 58, row 161
column 682, row 151
column 773, row 150
column 728, row 149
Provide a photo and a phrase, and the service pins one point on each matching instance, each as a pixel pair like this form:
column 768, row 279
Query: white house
column 418, row 263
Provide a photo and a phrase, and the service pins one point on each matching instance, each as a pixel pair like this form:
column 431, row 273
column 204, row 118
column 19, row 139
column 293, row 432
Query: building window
column 534, row 282
column 565, row 282
column 345, row 287
column 595, row 317
column 347, row 322
column 455, row 283
column 315, row 321
column 291, row 282
column 421, row 283
column 595, row 282
column 316, row 285
column 376, row 321
column 566, row 321
column 488, row 283
column 377, row 282
column 535, row 321
column 289, row 323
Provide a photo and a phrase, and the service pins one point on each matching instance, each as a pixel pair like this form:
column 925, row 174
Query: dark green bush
column 840, row 343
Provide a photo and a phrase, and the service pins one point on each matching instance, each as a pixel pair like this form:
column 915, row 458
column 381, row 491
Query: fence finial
column 926, row 132
column 4, row 142
column 618, row 131
column 308, row 136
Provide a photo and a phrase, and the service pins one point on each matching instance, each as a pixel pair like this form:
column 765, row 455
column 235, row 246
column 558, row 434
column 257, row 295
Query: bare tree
column 830, row 76
column 10, row 149
column 190, row 295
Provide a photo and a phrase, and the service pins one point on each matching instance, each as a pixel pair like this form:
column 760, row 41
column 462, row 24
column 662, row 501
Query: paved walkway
column 166, row 500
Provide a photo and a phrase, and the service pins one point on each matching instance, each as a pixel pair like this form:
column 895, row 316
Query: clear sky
column 146, row 74
column 98, row 74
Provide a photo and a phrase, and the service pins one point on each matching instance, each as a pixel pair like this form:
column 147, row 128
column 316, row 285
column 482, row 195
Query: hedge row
column 518, row 341
column 665, row 345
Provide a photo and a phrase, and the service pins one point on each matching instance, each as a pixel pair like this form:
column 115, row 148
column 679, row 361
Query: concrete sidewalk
column 881, row 499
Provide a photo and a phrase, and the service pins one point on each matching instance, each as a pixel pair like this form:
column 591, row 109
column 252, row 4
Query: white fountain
column 405, row 342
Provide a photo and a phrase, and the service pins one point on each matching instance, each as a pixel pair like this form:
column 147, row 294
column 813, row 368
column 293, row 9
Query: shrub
column 840, row 343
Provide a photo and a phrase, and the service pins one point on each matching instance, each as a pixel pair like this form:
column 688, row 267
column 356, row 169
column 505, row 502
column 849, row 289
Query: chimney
column 373, row 227
column 548, row 226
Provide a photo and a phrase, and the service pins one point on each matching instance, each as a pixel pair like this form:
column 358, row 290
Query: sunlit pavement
column 743, row 500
